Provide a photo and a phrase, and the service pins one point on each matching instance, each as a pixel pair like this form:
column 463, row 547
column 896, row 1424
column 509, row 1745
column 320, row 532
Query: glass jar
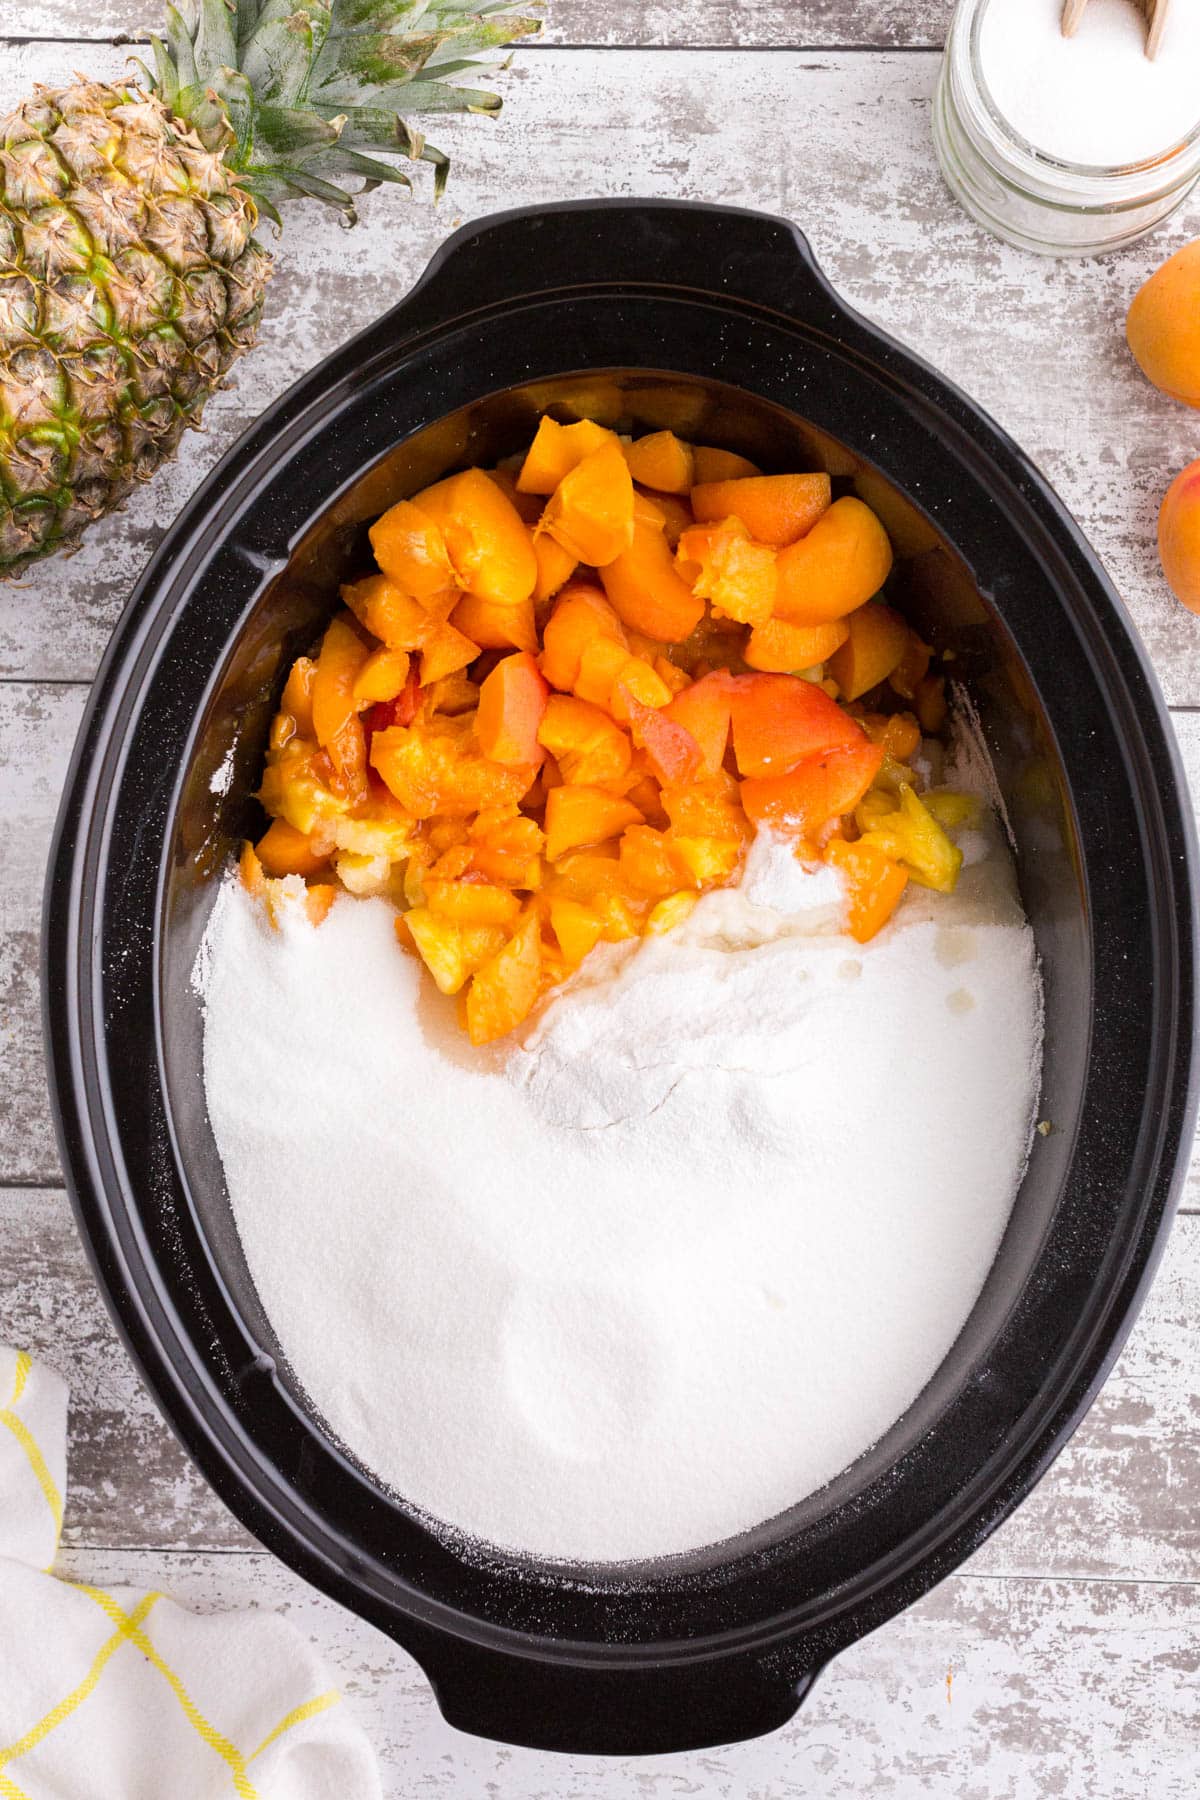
column 1027, row 197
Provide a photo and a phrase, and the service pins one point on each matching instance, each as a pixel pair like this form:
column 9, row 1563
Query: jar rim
column 1043, row 163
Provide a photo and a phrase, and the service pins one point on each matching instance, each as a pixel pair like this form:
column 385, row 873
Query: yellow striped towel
column 119, row 1695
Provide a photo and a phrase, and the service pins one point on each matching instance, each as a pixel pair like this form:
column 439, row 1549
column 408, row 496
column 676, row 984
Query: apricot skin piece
column 775, row 509
column 1179, row 536
column 876, row 640
column 835, row 568
column 512, row 700
column 1163, row 326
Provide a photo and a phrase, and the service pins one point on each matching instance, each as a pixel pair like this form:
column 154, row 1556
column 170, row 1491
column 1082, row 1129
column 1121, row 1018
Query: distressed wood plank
column 1119, row 1503
column 1039, row 342
column 1056, row 1688
column 762, row 24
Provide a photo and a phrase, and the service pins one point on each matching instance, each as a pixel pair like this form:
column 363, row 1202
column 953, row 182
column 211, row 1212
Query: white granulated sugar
column 1094, row 98
column 669, row 1264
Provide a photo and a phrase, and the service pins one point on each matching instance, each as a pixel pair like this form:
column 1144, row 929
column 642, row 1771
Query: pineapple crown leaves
column 296, row 95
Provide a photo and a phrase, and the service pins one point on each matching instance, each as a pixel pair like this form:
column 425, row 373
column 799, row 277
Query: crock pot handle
column 613, row 1709
column 724, row 250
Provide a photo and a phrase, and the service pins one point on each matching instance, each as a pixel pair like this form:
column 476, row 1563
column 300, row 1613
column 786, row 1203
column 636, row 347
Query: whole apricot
column 1163, row 327
column 1179, row 536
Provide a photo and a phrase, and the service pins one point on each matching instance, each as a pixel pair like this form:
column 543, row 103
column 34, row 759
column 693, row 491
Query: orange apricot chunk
column 663, row 461
column 410, row 549
column 876, row 639
column 721, row 465
column 577, row 927
column 1179, row 536
column 318, row 900
column 911, row 670
column 471, row 902
column 555, row 566
column 645, row 588
column 723, row 564
column 282, row 850
column 382, row 676
column 335, row 711
column 637, row 681
column 489, row 546
column 577, row 815
column 589, row 747
column 512, row 700
column 505, row 990
column 672, row 511
column 775, row 509
column 874, row 885
column 389, row 613
column 495, row 627
column 778, row 720
column 671, row 751
column 581, row 614
column 837, row 567
column 648, row 862
column 444, row 652
column 432, row 773
column 1163, row 326
column 590, row 512
column 819, row 788
column 780, row 648
column 703, row 710
column 296, row 699
column 556, row 450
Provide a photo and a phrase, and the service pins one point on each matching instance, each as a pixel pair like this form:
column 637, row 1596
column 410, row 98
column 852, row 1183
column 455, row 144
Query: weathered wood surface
column 761, row 24
column 1119, row 1504
column 1072, row 1636
column 987, row 1690
column 1039, row 342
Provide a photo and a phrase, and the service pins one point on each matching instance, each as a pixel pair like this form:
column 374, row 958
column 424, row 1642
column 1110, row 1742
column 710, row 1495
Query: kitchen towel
column 119, row 1695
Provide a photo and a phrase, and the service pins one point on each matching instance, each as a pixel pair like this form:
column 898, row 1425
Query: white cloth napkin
column 118, row 1695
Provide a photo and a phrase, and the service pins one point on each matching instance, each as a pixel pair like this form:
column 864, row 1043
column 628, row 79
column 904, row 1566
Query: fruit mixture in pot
column 574, row 687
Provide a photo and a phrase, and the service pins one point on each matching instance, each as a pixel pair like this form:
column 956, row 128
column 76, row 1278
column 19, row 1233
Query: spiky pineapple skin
column 130, row 281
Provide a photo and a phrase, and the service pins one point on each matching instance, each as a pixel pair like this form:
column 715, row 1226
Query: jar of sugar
column 1068, row 145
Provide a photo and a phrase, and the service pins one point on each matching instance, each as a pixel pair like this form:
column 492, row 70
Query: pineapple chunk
column 912, row 837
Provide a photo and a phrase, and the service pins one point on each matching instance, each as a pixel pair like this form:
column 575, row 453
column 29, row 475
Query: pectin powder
column 671, row 1263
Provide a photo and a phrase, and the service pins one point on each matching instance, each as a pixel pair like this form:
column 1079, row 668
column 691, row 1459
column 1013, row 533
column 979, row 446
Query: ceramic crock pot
column 719, row 324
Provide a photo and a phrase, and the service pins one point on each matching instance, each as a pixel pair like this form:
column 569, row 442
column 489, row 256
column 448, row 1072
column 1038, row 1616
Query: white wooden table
column 1065, row 1658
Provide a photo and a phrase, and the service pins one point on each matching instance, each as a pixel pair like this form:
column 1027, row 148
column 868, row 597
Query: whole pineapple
column 130, row 280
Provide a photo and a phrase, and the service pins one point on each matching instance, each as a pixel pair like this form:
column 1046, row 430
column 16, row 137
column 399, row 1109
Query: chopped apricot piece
column 382, row 676
column 874, row 884
column 577, row 927
column 707, row 859
column 450, row 951
column 876, row 639
column 505, row 990
column 647, row 862
column 471, row 902
column 781, row 648
column 590, row 512
column 335, row 710
column 707, row 809
column 775, row 509
column 577, row 815
column 581, row 614
column 495, row 627
column 410, row 549
column 671, row 751
column 556, row 450
column 673, row 511
column 816, row 790
column 703, row 709
column 912, row 668
column 318, row 900
column 388, row 613
column 589, row 747
column 555, row 567
column 671, row 911
column 837, row 567
column 282, row 850
column 602, row 662
column 444, row 652
column 488, row 544
column 663, row 461
column 637, row 681
column 250, row 869
column 512, row 700
column 899, row 735
column 296, row 699
column 644, row 586
column 723, row 564
column 722, row 465
column 439, row 773
column 778, row 719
